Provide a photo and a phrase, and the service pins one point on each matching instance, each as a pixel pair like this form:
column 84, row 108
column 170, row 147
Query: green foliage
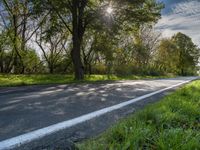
column 173, row 123
column 188, row 53
column 178, row 55
column 80, row 37
column 167, row 56
column 91, row 15
column 32, row 61
column 99, row 69
column 124, row 70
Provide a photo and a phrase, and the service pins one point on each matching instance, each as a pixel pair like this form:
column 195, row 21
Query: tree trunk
column 85, row 63
column 24, row 28
column 1, row 67
column 76, row 58
column 182, row 72
column 77, row 37
column 1, row 62
column 90, row 69
column 51, row 69
column 15, row 45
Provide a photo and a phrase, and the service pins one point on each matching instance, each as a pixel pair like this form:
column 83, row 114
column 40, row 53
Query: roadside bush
column 123, row 70
column 99, row 69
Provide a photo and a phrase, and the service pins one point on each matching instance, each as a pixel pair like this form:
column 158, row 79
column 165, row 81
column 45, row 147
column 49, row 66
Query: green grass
column 19, row 80
column 171, row 124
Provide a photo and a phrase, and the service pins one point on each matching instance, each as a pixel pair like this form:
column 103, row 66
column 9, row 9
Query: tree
column 17, row 22
column 32, row 61
column 52, row 47
column 167, row 57
column 77, row 15
column 188, row 53
column 178, row 55
column 29, row 57
column 145, row 41
column 3, row 53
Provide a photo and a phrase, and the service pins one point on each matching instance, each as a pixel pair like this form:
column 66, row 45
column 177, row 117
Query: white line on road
column 28, row 137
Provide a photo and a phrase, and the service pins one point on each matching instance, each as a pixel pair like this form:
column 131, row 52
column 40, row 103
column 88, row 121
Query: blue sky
column 181, row 16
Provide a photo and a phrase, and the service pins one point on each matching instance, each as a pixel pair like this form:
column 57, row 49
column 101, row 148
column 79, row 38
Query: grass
column 173, row 123
column 19, row 80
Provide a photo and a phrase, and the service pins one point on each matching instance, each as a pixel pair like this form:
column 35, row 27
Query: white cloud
column 187, row 7
column 185, row 18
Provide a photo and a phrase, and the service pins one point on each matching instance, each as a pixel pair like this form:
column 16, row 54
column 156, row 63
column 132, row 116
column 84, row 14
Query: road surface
column 26, row 109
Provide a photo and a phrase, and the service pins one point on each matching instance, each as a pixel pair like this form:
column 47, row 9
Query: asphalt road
column 25, row 109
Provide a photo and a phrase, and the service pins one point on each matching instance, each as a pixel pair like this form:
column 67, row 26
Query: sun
column 109, row 10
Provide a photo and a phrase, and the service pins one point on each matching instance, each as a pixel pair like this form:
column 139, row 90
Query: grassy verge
column 18, row 80
column 173, row 123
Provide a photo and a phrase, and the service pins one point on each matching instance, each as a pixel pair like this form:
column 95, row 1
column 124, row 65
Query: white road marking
column 28, row 137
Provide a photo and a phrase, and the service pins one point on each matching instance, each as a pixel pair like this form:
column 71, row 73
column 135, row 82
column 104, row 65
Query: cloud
column 187, row 8
column 184, row 17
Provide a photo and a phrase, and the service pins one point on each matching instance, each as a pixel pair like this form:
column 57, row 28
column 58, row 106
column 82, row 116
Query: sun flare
column 109, row 10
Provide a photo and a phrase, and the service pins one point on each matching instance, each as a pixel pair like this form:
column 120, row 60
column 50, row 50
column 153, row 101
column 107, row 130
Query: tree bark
column 76, row 58
column 24, row 29
column 51, row 69
column 1, row 66
column 77, row 37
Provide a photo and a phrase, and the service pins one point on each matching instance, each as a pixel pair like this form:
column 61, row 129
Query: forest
column 85, row 37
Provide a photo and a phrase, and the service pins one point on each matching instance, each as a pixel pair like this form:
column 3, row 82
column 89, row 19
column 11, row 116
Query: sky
column 181, row 16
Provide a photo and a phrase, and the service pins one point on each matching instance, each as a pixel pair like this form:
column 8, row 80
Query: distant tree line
column 82, row 37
